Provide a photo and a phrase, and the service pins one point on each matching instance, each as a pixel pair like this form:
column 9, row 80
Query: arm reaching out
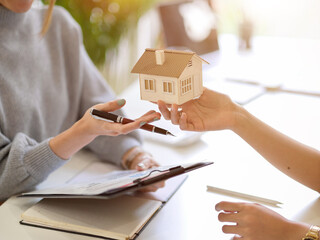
column 215, row 111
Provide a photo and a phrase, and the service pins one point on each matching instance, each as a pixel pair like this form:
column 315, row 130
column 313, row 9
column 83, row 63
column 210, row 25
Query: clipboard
column 115, row 183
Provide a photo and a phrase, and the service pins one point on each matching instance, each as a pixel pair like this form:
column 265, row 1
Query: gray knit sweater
column 46, row 85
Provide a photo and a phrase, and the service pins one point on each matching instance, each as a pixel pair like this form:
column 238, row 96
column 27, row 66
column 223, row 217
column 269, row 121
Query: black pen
column 111, row 117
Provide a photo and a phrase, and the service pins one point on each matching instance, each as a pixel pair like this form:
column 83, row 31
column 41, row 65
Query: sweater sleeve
column 96, row 90
column 24, row 163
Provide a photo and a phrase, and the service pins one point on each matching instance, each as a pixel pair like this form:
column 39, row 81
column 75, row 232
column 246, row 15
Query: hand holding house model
column 172, row 76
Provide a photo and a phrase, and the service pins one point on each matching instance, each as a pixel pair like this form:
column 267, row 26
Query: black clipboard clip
column 170, row 170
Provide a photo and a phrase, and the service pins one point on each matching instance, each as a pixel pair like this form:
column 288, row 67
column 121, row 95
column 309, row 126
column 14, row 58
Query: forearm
column 70, row 141
column 291, row 157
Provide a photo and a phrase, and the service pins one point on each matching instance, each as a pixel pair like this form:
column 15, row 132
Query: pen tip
column 169, row 133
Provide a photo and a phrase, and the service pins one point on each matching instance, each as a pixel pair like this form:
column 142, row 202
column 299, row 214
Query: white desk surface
column 190, row 213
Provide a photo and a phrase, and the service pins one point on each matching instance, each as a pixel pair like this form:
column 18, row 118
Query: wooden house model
column 169, row 75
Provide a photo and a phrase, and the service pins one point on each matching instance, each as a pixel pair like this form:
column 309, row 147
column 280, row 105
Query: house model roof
column 175, row 63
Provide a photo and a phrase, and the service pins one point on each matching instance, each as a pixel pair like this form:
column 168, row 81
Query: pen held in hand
column 111, row 117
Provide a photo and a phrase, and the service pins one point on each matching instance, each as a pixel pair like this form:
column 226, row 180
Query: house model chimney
column 160, row 59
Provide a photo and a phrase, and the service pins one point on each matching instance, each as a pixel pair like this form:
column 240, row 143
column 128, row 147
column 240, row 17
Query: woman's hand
column 211, row 111
column 255, row 222
column 98, row 127
column 137, row 159
column 88, row 128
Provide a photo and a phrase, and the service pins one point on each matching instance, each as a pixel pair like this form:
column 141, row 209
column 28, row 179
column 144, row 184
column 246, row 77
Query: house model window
column 186, row 85
column 169, row 75
column 167, row 87
column 149, row 84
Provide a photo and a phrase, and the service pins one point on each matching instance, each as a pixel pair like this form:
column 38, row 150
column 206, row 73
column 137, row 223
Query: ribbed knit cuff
column 41, row 161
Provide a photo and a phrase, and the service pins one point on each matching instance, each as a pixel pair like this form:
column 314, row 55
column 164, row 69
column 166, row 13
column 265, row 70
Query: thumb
column 111, row 106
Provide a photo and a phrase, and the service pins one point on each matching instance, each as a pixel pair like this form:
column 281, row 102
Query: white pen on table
column 245, row 196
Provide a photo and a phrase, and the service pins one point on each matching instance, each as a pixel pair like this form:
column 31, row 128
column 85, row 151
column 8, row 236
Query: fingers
column 228, row 217
column 143, row 162
column 114, row 129
column 146, row 162
column 111, row 106
column 119, row 128
column 230, row 229
column 148, row 117
column 228, row 206
column 175, row 115
column 148, row 113
column 231, row 211
column 164, row 110
column 183, row 123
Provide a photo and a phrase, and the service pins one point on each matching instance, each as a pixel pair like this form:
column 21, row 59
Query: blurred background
column 116, row 32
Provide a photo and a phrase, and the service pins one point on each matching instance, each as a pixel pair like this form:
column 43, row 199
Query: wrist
column 240, row 118
column 70, row 141
column 135, row 156
column 296, row 230
column 80, row 134
column 129, row 156
column 82, row 129
column 313, row 233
